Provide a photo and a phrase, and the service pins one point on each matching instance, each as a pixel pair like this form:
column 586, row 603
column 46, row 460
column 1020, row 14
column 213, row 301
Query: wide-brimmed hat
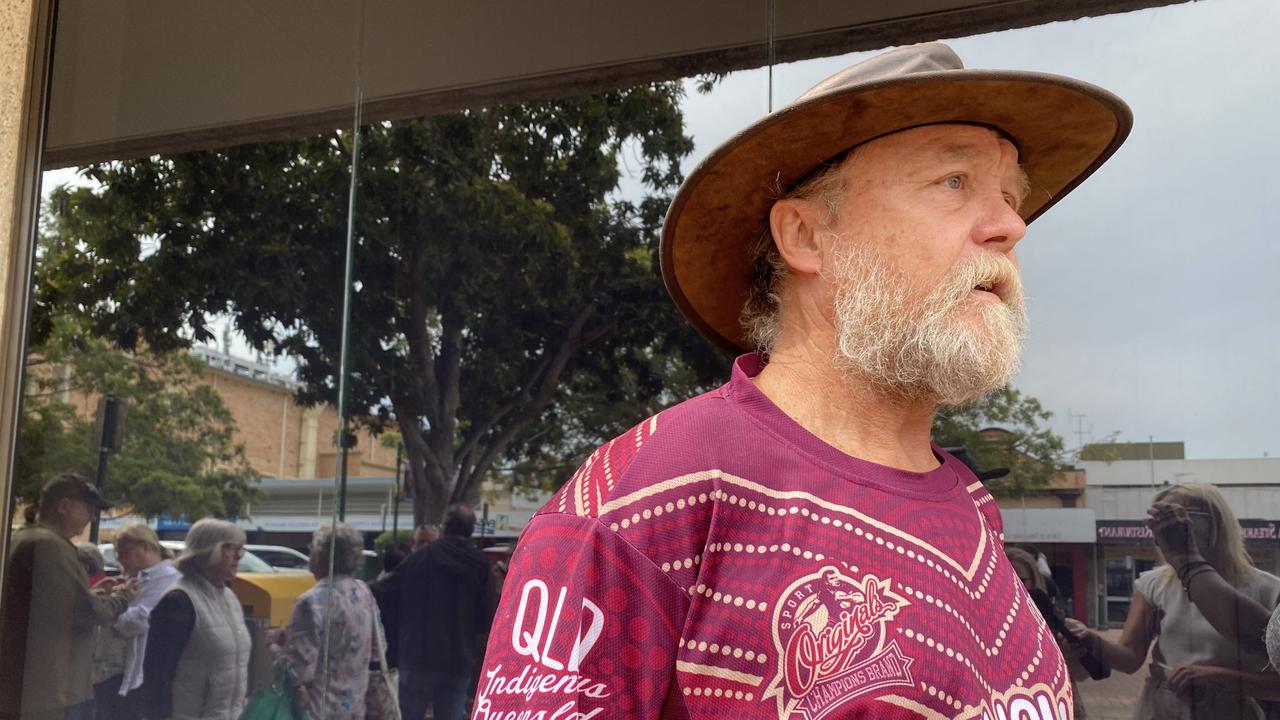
column 1064, row 129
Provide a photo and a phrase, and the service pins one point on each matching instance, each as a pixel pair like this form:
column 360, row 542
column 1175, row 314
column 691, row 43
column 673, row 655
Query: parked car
column 250, row 563
column 283, row 559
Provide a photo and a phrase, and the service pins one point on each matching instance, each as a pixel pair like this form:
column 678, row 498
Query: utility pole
column 109, row 434
column 395, row 503
column 1151, row 457
column 1078, row 418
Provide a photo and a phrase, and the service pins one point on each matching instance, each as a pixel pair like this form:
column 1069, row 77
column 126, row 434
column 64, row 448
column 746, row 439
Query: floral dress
column 335, row 687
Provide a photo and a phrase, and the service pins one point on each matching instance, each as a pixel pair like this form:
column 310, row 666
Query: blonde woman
column 197, row 658
column 1196, row 673
column 118, row 694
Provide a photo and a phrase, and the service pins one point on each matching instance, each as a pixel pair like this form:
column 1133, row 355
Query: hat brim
column 95, row 499
column 1064, row 130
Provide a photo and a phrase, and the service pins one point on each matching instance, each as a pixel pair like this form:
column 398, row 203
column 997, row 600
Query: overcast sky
column 1152, row 288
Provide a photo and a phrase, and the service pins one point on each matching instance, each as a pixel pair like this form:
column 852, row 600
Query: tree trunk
column 429, row 499
column 446, row 471
column 430, row 495
column 426, row 479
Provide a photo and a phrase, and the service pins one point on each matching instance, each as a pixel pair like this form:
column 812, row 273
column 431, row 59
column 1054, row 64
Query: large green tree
column 179, row 455
column 1032, row 452
column 506, row 302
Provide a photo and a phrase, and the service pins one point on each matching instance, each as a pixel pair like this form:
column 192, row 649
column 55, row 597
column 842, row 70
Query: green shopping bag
column 273, row 703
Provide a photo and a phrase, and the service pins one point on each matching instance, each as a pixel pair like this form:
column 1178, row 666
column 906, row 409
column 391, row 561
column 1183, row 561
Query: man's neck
column 854, row 418
column 54, row 528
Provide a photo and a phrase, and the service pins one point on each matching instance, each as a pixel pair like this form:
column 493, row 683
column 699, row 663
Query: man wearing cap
column 48, row 611
column 792, row 545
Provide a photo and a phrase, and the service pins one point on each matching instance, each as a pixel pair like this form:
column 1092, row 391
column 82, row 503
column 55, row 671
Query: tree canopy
column 506, row 302
column 1032, row 452
column 179, row 456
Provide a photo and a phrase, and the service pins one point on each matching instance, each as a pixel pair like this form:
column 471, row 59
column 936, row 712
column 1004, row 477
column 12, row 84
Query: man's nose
column 1000, row 227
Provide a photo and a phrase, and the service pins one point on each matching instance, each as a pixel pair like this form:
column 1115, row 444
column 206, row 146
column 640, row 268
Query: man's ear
column 793, row 222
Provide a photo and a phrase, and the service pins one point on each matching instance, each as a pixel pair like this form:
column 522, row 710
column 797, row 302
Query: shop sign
column 1260, row 532
column 1048, row 525
column 1135, row 532
column 509, row 523
column 308, row 524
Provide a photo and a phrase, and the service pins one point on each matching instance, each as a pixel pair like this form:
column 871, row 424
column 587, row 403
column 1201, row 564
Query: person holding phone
column 49, row 611
column 1196, row 672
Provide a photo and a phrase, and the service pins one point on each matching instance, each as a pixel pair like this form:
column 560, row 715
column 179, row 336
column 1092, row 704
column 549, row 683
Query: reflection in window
column 508, row 316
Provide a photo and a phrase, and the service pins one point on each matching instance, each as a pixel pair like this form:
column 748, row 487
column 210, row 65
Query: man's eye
column 955, row 182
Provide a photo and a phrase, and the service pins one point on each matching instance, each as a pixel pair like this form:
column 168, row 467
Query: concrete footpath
column 1115, row 697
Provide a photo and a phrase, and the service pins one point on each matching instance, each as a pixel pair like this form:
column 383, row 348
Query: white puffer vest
column 213, row 672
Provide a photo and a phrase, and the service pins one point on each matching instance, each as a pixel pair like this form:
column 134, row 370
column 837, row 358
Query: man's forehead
column 957, row 142
column 921, row 148
column 963, row 143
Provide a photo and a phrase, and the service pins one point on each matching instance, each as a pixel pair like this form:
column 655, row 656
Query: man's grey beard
column 924, row 347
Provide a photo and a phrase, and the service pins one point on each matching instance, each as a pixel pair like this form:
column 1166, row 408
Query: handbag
column 272, row 703
column 382, row 699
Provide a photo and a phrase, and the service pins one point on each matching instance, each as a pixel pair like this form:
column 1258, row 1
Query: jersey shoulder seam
column 593, row 520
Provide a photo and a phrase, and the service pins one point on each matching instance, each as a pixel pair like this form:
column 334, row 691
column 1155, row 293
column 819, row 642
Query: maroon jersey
column 719, row 561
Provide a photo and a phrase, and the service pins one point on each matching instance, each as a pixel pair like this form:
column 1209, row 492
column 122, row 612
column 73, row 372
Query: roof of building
column 1113, row 451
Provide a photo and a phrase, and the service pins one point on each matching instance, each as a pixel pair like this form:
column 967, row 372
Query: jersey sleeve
column 587, row 627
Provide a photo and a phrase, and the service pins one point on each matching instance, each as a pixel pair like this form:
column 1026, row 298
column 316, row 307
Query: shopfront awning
column 134, row 77
column 1049, row 525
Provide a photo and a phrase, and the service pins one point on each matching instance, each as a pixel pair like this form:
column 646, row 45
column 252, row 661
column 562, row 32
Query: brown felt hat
column 1064, row 129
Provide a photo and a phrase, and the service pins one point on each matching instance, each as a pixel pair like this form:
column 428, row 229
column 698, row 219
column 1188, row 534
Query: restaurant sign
column 1135, row 532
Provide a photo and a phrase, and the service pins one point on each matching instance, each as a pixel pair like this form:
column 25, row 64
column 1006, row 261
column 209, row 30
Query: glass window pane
column 202, row 335
column 177, row 167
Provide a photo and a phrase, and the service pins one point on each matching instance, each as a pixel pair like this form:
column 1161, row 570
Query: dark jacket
column 446, row 603
column 47, row 616
column 386, row 594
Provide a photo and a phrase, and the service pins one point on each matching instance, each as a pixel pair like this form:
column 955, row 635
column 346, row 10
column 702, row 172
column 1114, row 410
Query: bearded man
column 792, row 545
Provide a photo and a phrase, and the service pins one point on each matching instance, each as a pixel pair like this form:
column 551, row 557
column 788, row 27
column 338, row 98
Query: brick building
column 282, row 439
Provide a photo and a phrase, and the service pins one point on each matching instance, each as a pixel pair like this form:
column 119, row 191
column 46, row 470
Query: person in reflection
column 1273, row 639
column 446, row 605
column 337, row 615
column 196, row 664
column 424, row 535
column 389, row 601
column 95, row 566
column 1197, row 672
column 48, row 611
column 792, row 545
column 391, row 559
column 1027, row 567
column 118, row 660
column 1230, row 610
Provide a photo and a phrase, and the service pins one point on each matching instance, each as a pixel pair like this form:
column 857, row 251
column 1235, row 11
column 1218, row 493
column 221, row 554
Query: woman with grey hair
column 196, row 663
column 337, row 615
